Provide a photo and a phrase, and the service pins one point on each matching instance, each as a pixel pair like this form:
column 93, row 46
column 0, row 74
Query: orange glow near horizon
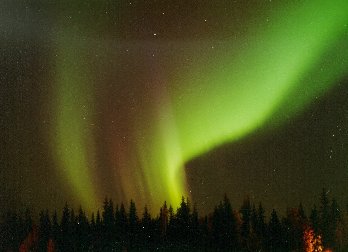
column 313, row 242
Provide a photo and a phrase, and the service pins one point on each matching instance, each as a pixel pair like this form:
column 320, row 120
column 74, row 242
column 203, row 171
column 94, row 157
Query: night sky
column 152, row 100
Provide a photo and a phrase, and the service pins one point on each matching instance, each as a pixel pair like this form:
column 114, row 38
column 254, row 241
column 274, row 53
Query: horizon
column 151, row 101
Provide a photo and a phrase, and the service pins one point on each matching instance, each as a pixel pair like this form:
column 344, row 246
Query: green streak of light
column 224, row 97
column 240, row 90
column 73, row 137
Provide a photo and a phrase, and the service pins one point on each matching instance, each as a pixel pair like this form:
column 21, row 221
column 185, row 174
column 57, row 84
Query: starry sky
column 152, row 100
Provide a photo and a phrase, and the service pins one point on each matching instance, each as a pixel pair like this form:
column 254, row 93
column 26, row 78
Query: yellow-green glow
column 73, row 137
column 233, row 88
column 241, row 89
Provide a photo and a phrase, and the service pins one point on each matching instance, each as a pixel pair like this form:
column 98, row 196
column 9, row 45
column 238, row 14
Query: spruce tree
column 133, row 225
column 324, row 217
column 44, row 230
column 146, row 229
column 245, row 228
column 274, row 232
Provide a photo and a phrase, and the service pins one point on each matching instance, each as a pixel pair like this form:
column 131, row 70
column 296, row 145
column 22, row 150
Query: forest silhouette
column 126, row 228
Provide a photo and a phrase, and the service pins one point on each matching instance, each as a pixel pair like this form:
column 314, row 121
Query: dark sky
column 281, row 167
column 154, row 99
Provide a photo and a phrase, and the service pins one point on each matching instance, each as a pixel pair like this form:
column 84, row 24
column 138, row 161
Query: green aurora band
column 254, row 81
column 73, row 137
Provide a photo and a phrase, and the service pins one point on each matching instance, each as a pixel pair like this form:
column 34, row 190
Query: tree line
column 122, row 228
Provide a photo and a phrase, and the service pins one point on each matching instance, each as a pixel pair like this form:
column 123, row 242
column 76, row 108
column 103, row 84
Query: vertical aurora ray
column 73, row 139
column 249, row 83
column 159, row 158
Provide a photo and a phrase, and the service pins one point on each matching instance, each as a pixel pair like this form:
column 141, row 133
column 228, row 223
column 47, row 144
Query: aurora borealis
column 115, row 98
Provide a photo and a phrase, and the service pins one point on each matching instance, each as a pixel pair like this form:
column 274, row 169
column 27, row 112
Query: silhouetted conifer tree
column 98, row 221
column 73, row 229
column 171, row 212
column 121, row 221
column 324, row 217
column 56, row 232
column 224, row 226
column 146, row 235
column 294, row 227
column 92, row 236
column 314, row 219
column 97, row 234
column 255, row 237
column 303, row 222
column 274, row 233
column 92, row 222
column 108, row 222
column 133, row 225
column 205, row 238
column 194, row 232
column 66, row 244
column 261, row 225
column 164, row 222
column 335, row 222
column 44, row 230
column 172, row 226
column 82, row 231
column 302, row 213
column 245, row 212
column 99, row 227
column 183, row 222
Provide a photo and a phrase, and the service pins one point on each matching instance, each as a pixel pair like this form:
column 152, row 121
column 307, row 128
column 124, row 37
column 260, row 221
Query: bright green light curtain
column 278, row 67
